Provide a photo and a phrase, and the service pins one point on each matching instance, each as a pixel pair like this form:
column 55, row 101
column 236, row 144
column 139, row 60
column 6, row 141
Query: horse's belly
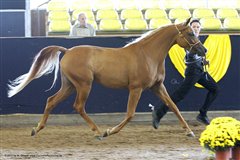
column 112, row 81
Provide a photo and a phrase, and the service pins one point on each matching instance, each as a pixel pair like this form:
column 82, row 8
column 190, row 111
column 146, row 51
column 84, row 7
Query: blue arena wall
column 16, row 56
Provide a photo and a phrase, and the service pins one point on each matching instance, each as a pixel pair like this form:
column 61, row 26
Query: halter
column 181, row 35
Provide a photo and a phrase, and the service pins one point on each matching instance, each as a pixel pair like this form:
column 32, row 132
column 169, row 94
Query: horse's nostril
column 205, row 50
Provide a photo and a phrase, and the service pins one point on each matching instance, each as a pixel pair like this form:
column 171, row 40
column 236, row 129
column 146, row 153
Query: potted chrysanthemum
column 221, row 120
column 236, row 148
column 220, row 136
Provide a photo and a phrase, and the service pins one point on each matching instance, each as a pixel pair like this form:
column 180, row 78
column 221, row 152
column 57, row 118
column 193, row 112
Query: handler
column 194, row 73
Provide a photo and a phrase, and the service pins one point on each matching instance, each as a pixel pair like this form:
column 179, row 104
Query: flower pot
column 223, row 155
column 236, row 153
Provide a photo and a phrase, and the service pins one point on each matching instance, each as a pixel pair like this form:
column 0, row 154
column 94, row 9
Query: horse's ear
column 187, row 21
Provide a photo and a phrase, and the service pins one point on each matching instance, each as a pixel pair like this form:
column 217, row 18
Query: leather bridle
column 181, row 35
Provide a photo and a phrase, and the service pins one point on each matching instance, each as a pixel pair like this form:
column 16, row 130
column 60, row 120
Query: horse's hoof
column 33, row 133
column 106, row 133
column 191, row 134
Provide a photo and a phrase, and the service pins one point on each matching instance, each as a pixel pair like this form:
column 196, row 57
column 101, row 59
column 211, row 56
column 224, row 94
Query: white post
column 28, row 19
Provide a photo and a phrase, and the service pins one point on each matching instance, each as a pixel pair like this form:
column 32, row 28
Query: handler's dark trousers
column 195, row 75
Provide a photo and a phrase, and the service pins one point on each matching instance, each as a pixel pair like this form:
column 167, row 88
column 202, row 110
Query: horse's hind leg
column 63, row 93
column 83, row 90
column 161, row 92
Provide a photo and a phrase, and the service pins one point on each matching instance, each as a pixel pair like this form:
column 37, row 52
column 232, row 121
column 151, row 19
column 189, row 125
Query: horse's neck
column 158, row 44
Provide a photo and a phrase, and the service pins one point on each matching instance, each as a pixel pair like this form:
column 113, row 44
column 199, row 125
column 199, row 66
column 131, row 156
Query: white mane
column 144, row 35
column 140, row 38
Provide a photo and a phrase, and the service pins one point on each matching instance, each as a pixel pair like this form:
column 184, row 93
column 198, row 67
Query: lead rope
column 205, row 67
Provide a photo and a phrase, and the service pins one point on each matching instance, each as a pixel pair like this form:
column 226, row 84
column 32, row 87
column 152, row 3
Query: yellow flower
column 221, row 120
column 221, row 134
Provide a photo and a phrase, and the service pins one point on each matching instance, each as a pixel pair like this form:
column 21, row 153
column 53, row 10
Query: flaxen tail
column 44, row 63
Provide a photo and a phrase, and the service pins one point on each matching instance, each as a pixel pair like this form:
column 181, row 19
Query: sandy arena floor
column 134, row 142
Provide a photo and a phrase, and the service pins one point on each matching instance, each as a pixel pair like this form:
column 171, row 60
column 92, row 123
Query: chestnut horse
column 137, row 66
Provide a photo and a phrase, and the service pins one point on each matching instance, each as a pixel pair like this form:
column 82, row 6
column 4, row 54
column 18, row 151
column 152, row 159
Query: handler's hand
column 205, row 62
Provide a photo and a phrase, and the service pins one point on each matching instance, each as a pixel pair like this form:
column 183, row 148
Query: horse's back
column 108, row 66
column 95, row 55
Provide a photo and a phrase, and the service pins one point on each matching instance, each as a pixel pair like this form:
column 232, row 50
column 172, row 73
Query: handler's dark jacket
column 194, row 63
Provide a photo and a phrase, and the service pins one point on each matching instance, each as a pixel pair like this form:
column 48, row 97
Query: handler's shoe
column 203, row 119
column 157, row 115
column 155, row 119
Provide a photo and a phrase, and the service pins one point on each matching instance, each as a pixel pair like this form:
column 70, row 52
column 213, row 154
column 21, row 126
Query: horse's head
column 187, row 39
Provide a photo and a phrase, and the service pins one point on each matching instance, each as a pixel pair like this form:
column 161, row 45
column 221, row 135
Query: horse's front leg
column 162, row 93
column 134, row 96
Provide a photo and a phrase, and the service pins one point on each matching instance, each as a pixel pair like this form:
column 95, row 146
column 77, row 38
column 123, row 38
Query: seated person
column 81, row 28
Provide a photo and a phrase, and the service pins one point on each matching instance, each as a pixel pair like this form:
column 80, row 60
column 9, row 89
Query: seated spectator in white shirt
column 81, row 28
